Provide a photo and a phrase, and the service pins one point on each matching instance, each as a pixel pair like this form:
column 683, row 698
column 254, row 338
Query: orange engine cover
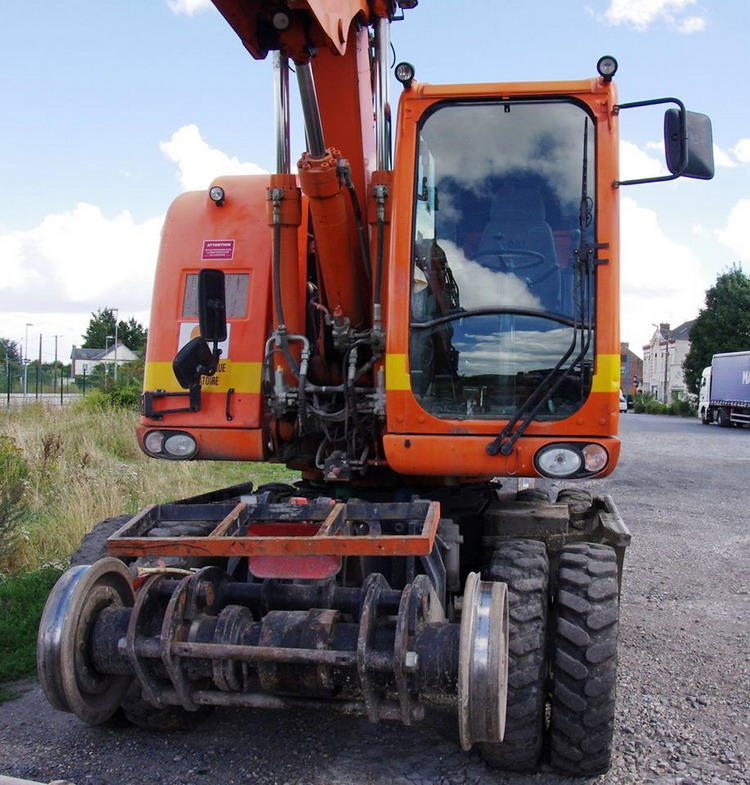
column 234, row 237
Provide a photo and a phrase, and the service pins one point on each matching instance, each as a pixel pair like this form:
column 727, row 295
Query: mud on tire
column 524, row 566
column 584, row 660
column 94, row 545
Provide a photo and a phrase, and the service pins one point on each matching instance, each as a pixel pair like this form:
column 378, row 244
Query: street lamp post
column 116, row 312
column 107, row 339
column 26, row 359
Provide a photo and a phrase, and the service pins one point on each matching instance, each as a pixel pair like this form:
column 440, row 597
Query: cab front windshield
column 500, row 307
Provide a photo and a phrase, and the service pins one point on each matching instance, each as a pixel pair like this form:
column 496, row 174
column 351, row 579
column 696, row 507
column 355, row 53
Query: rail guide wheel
column 67, row 675
column 483, row 662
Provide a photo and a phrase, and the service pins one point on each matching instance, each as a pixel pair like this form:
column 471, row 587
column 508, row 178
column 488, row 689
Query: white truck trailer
column 725, row 390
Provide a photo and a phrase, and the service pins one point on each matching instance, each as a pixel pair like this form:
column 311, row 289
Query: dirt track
column 684, row 689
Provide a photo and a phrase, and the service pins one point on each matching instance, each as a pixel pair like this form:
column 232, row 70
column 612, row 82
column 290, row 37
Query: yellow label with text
column 242, row 377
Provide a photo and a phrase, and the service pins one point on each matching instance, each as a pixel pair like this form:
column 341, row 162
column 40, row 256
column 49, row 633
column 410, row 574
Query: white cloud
column 660, row 278
column 71, row 265
column 188, row 7
column 691, row 24
column 78, row 261
column 741, row 151
column 635, row 163
column 723, row 158
column 641, row 14
column 198, row 162
column 735, row 235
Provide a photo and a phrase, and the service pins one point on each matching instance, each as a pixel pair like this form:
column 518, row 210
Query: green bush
column 113, row 397
column 14, row 476
column 644, row 403
column 654, row 407
column 682, row 409
column 22, row 599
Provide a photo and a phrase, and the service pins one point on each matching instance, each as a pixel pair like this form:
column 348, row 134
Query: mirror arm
column 683, row 133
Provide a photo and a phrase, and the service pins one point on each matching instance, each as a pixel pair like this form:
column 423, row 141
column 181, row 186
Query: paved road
column 684, row 691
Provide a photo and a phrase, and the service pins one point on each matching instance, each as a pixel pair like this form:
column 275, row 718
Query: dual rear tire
column 563, row 657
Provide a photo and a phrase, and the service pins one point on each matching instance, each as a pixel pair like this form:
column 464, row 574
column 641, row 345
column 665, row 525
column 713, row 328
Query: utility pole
column 666, row 369
column 54, row 370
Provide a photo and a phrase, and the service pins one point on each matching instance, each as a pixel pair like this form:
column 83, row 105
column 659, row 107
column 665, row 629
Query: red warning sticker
column 215, row 250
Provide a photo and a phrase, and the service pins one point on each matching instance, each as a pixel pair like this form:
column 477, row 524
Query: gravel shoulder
column 684, row 677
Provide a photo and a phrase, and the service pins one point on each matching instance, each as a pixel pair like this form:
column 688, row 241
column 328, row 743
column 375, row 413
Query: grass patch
column 84, row 465
column 22, row 599
column 61, row 472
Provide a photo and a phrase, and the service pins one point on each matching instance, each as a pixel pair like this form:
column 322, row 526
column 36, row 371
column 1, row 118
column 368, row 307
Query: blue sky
column 109, row 109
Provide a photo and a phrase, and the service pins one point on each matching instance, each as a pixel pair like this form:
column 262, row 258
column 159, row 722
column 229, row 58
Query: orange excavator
column 421, row 330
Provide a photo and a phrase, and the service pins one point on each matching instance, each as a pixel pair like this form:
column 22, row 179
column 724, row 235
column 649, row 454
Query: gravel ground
column 684, row 687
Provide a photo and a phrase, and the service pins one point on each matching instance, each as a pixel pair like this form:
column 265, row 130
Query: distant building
column 83, row 361
column 663, row 376
column 631, row 370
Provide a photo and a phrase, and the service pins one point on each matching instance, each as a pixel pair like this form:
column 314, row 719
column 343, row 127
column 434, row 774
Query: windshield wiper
column 583, row 269
column 537, row 313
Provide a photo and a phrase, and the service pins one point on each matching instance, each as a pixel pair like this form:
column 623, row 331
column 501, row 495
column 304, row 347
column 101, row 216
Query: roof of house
column 79, row 353
column 682, row 333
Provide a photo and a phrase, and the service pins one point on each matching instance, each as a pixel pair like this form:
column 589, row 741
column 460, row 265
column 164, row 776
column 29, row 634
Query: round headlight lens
column 180, row 445
column 154, row 442
column 594, row 457
column 404, row 73
column 216, row 195
column 607, row 67
column 556, row 461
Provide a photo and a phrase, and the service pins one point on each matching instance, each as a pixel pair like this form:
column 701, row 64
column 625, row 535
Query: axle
column 204, row 639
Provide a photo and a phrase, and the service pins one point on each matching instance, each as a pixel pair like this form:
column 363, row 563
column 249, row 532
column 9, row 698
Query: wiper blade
column 585, row 262
column 537, row 313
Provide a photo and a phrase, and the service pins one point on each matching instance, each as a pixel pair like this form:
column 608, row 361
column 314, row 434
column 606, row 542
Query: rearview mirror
column 688, row 142
column 212, row 311
column 194, row 360
column 689, row 148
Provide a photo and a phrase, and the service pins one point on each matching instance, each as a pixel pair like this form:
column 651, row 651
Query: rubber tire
column 94, row 545
column 523, row 565
column 584, row 660
column 723, row 419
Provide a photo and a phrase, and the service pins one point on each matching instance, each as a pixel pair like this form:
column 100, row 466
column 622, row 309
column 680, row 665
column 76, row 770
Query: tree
column 102, row 325
column 722, row 326
column 9, row 350
column 133, row 334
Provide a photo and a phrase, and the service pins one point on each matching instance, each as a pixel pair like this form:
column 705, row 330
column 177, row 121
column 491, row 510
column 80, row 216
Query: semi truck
column 725, row 390
column 421, row 318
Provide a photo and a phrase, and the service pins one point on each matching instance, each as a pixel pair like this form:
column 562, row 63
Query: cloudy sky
column 110, row 109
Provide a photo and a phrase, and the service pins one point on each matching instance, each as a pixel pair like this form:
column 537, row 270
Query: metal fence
column 12, row 400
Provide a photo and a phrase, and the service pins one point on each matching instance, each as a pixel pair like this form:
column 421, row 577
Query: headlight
column 571, row 460
column 180, row 445
column 556, row 461
column 154, row 442
column 594, row 457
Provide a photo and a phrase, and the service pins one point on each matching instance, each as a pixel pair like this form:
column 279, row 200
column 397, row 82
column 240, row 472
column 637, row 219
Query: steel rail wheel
column 584, row 666
column 523, row 565
column 482, row 662
column 67, row 675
